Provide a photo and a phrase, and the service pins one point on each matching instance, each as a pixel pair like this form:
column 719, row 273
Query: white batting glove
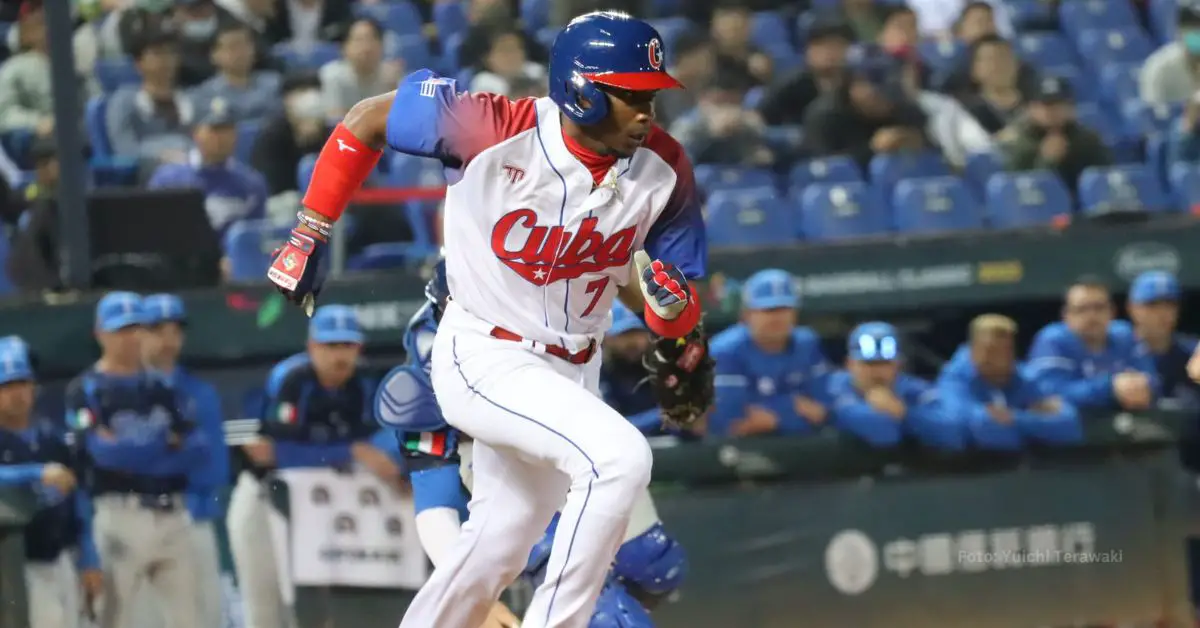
column 663, row 285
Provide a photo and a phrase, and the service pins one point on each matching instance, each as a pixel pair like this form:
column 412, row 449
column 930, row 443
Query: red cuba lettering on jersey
column 550, row 254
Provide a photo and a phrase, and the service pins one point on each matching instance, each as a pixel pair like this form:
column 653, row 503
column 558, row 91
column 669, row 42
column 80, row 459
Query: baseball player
column 317, row 415
column 161, row 346
column 35, row 454
column 650, row 564
column 140, row 453
column 552, row 203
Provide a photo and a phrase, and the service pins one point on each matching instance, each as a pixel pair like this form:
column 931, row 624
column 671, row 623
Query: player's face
column 994, row 355
column 873, row 373
column 1155, row 320
column 334, row 362
column 1088, row 311
column 162, row 343
column 630, row 118
column 16, row 401
column 215, row 143
column 771, row 326
column 123, row 345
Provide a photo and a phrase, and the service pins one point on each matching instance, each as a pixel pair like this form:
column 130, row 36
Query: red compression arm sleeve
column 678, row 327
column 342, row 167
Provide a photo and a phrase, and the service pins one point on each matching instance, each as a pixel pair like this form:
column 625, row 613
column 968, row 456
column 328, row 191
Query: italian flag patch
column 285, row 413
column 432, row 443
column 83, row 419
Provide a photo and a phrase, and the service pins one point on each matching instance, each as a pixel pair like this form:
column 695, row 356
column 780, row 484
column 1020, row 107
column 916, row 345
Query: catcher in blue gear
column 648, row 567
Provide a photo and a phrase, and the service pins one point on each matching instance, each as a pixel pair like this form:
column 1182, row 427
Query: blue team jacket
column 1059, row 361
column 926, row 420
column 746, row 375
column 966, row 395
column 204, row 407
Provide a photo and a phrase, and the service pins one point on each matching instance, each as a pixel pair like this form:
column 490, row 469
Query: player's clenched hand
column 92, row 581
column 666, row 289
column 59, row 477
column 501, row 617
column 295, row 268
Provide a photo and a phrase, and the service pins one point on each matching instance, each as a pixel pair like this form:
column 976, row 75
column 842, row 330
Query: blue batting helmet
column 604, row 48
column 438, row 290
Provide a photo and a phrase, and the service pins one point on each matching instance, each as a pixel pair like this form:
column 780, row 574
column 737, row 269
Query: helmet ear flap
column 578, row 89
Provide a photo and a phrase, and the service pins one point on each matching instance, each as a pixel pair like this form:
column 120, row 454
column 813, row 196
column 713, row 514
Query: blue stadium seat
column 1098, row 119
column 942, row 55
column 1185, row 185
column 1082, row 81
column 979, row 170
column 1163, row 17
column 1119, row 83
column 414, row 50
column 397, row 16
column 450, row 18
column 450, row 47
column 304, row 171
column 18, row 145
column 661, row 8
column 545, row 36
column 1100, row 47
column 1024, row 199
column 1145, row 119
column 887, row 170
column 711, row 178
column 934, row 205
column 1076, row 16
column 6, row 284
column 97, row 129
column 309, row 57
column 536, row 15
column 768, row 29
column 113, row 73
column 1156, row 156
column 408, row 171
column 1125, row 187
column 247, row 133
column 823, row 170
column 748, row 217
column 1045, row 50
column 1030, row 14
column 248, row 245
column 671, row 28
column 834, row 211
column 385, row 256
column 113, row 172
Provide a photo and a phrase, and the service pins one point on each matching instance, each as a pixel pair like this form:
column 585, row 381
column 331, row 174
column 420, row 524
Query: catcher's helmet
column 438, row 290
column 604, row 48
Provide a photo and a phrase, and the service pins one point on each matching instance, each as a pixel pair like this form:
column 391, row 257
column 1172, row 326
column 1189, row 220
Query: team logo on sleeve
column 83, row 419
column 431, row 443
column 656, row 53
column 286, row 413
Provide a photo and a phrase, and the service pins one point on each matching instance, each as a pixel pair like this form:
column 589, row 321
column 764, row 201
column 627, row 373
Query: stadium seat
column 769, row 30
column 408, row 171
column 1076, row 16
column 97, row 129
column 536, row 15
column 1145, row 119
column 1119, row 83
column 18, row 146
column 1103, row 47
column 6, row 284
column 835, row 211
column 383, row 256
column 979, row 170
column 1043, row 50
column 1185, row 185
column 1024, row 199
column 661, row 8
column 1084, row 84
column 304, row 172
column 450, row 47
column 450, row 18
column 1098, row 119
column 942, row 55
column 711, row 178
column 113, row 73
column 1163, row 16
column 823, row 170
column 397, row 16
column 414, row 50
column 1030, row 15
column 671, row 28
column 247, row 133
column 308, row 57
column 748, row 217
column 887, row 170
column 1156, row 156
column 545, row 36
column 248, row 245
column 934, row 205
column 1121, row 188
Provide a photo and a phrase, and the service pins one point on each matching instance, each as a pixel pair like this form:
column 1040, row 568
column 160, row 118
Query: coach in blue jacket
column 1001, row 405
column 1091, row 360
column 1154, row 310
column 771, row 376
column 877, row 402
column 161, row 346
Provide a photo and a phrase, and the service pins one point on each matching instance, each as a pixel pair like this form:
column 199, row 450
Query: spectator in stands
column 250, row 94
column 876, row 401
column 869, row 114
column 33, row 263
column 1091, row 360
column 719, row 130
column 992, row 91
column 976, row 21
column 962, row 18
column 1001, row 404
column 692, row 61
column 361, row 72
column 786, row 100
column 563, row 11
column 736, row 54
column 505, row 62
column 257, row 14
column 198, row 23
column 1154, row 310
column 484, row 17
column 865, row 17
column 771, row 374
column 622, row 372
column 525, row 87
column 301, row 129
column 150, row 121
column 26, row 101
column 899, row 32
column 1172, row 74
column 949, row 125
column 232, row 190
column 1048, row 136
column 1183, row 142
column 303, row 22
column 129, row 22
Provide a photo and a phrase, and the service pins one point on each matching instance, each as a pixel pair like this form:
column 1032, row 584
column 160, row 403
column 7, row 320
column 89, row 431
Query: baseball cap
column 219, row 113
column 335, row 324
column 874, row 342
column 15, row 364
column 164, row 308
column 825, row 26
column 1053, row 89
column 1154, row 285
column 770, row 289
column 118, row 310
column 624, row 320
column 873, row 65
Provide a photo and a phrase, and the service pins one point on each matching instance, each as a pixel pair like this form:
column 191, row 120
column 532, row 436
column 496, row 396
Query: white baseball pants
column 254, row 555
column 541, row 433
column 54, row 594
column 138, row 546
column 147, row 610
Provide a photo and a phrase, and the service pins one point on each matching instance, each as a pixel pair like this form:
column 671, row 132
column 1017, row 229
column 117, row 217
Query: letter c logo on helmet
column 604, row 48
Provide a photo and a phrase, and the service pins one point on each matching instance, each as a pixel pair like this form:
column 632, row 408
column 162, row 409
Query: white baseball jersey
column 534, row 245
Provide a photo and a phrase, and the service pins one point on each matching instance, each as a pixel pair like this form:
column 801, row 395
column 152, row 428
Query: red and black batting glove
column 672, row 309
column 295, row 268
